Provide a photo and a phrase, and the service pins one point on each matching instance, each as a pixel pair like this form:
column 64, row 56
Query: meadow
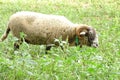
column 31, row 63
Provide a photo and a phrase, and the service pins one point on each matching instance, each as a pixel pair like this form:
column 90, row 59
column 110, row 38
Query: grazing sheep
column 44, row 29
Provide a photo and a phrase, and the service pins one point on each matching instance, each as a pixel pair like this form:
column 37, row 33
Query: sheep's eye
column 81, row 35
column 90, row 39
column 86, row 34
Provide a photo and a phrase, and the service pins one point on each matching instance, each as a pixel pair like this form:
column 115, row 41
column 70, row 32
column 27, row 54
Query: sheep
column 43, row 29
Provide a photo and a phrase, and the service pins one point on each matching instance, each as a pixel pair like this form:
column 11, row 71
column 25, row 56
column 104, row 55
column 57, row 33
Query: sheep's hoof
column 16, row 46
column 48, row 47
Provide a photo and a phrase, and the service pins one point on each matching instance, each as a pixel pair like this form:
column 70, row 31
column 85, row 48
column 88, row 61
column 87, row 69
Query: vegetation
column 31, row 63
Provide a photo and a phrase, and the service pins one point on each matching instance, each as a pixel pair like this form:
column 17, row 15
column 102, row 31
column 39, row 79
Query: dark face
column 87, row 36
column 92, row 38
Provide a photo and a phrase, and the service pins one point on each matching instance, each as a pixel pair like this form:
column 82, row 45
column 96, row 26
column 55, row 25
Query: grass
column 31, row 62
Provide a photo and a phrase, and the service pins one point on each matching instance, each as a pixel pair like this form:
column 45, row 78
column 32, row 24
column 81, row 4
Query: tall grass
column 31, row 62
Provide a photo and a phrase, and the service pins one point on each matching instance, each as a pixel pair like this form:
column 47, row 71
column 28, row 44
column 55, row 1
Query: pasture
column 31, row 63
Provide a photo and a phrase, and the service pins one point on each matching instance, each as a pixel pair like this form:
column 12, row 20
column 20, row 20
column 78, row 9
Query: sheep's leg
column 17, row 44
column 48, row 47
column 4, row 36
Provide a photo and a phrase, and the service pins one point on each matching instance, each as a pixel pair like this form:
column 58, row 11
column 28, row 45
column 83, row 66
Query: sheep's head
column 87, row 36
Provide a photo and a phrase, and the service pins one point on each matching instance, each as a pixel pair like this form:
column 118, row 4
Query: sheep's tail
column 4, row 36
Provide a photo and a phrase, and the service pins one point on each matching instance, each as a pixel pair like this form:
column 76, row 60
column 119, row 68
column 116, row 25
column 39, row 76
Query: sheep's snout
column 95, row 45
column 95, row 42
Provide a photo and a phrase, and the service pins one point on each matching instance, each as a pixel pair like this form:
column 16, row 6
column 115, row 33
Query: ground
column 74, row 63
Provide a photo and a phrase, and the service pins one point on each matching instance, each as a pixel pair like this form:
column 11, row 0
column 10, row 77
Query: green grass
column 31, row 62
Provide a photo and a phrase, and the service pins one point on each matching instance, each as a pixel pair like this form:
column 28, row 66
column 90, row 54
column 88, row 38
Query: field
column 31, row 63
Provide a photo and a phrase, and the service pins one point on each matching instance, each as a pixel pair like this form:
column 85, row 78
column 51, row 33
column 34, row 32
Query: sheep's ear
column 82, row 33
